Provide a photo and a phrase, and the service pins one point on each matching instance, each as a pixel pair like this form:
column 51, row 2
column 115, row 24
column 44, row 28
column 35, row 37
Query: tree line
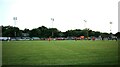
column 44, row 32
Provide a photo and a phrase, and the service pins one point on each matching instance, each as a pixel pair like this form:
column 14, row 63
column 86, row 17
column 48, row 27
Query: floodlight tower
column 110, row 27
column 86, row 28
column 15, row 19
column 52, row 19
column 110, row 30
column 85, row 23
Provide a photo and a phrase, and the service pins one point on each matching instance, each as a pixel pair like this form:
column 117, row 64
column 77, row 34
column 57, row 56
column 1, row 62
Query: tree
column 97, row 34
column 26, row 30
column 44, row 32
column 61, row 34
column 91, row 33
column 85, row 32
column 55, row 32
column 35, row 33
column 104, row 35
column 9, row 31
column 117, row 34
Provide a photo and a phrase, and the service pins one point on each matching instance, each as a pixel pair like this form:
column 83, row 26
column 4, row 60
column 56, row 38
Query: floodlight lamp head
column 110, row 22
column 85, row 21
column 52, row 19
column 14, row 18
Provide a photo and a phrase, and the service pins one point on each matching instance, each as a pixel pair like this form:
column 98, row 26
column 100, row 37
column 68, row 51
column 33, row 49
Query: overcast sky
column 67, row 14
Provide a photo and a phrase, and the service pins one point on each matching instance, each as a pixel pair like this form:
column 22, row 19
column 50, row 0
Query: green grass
column 68, row 52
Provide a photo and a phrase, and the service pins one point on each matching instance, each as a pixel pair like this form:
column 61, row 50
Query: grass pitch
column 68, row 52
